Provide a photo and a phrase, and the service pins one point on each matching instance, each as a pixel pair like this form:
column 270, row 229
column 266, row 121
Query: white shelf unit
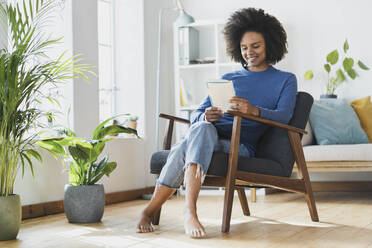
column 192, row 78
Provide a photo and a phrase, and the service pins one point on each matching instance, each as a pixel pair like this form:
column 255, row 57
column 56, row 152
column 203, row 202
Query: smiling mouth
column 252, row 59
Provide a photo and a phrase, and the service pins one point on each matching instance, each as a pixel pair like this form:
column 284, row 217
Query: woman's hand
column 213, row 114
column 243, row 106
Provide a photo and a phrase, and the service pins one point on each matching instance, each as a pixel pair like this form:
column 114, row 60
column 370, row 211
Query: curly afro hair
column 256, row 20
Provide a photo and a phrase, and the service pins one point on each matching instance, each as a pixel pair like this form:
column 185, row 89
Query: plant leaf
column 308, row 75
column 99, row 127
column 332, row 57
column 51, row 146
column 352, row 73
column 327, row 67
column 110, row 166
column 73, row 178
column 97, row 149
column 348, row 63
column 114, row 129
column 75, row 174
column 97, row 168
column 346, row 46
column 340, row 76
column 362, row 65
column 78, row 154
column 34, row 154
column 333, row 81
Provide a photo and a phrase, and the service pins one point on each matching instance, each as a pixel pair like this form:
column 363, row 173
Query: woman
column 257, row 40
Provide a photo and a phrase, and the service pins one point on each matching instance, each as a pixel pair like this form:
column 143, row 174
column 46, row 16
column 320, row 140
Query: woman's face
column 253, row 50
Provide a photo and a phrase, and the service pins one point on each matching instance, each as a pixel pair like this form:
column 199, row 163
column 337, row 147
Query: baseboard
column 357, row 186
column 56, row 207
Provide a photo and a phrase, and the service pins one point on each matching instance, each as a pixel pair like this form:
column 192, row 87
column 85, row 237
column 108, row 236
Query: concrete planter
column 10, row 217
column 84, row 204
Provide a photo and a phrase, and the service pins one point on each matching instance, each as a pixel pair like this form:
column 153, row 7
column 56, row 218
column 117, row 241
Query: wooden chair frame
column 236, row 180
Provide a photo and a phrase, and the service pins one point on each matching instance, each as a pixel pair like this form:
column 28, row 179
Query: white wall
column 85, row 42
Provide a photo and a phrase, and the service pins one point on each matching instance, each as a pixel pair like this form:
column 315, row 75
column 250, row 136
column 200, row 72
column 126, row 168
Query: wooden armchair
column 277, row 150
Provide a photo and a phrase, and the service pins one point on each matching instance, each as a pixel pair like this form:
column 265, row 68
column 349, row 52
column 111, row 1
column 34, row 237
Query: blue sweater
column 272, row 91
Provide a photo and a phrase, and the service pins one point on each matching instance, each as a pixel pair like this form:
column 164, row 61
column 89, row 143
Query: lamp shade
column 184, row 19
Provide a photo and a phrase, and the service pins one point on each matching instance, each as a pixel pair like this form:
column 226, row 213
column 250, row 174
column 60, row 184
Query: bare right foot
column 193, row 227
column 144, row 225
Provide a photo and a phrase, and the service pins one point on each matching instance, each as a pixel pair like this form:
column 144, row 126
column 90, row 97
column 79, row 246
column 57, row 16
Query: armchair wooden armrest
column 174, row 118
column 268, row 122
column 168, row 137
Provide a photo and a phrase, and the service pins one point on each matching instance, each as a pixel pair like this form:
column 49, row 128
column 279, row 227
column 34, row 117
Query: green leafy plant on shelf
column 82, row 155
column 25, row 71
column 336, row 74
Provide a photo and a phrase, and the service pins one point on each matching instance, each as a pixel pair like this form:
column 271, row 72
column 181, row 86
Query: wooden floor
column 279, row 220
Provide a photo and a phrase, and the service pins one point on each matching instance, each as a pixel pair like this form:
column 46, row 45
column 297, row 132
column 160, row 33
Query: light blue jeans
column 198, row 147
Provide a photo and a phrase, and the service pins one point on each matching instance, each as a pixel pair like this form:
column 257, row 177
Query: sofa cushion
column 335, row 122
column 363, row 108
column 308, row 139
column 356, row 152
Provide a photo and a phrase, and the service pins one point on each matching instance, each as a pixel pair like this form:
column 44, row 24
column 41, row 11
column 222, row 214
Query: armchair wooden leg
column 227, row 208
column 253, row 194
column 243, row 201
column 302, row 168
column 231, row 174
column 311, row 205
column 156, row 217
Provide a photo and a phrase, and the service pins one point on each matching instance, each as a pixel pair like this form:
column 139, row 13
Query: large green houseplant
column 25, row 70
column 336, row 73
column 84, row 199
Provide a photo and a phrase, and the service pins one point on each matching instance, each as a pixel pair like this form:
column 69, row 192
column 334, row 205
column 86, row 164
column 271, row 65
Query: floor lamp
column 182, row 20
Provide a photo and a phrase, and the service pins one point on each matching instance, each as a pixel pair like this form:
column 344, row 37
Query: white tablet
column 220, row 92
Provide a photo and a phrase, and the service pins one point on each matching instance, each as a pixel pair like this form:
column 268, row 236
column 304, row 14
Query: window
column 121, row 66
column 107, row 80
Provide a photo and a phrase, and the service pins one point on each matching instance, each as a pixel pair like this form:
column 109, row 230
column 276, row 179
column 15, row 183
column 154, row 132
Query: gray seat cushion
column 219, row 161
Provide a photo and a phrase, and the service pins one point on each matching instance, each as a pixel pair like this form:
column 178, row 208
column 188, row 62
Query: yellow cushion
column 363, row 108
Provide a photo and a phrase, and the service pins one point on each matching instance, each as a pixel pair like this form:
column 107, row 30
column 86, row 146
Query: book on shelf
column 220, row 92
column 185, row 97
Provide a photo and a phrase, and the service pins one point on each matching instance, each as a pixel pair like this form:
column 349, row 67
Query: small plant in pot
column 336, row 74
column 84, row 199
column 131, row 122
column 22, row 82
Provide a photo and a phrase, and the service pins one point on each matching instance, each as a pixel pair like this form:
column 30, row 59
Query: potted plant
column 21, row 83
column 84, row 199
column 131, row 122
column 336, row 74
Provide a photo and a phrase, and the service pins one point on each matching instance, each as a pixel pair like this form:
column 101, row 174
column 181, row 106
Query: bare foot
column 144, row 225
column 193, row 228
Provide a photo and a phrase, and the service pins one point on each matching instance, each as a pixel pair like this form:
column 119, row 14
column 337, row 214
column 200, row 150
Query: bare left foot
column 193, row 227
column 144, row 225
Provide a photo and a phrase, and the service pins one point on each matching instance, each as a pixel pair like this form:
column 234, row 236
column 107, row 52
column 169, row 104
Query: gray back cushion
column 275, row 144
